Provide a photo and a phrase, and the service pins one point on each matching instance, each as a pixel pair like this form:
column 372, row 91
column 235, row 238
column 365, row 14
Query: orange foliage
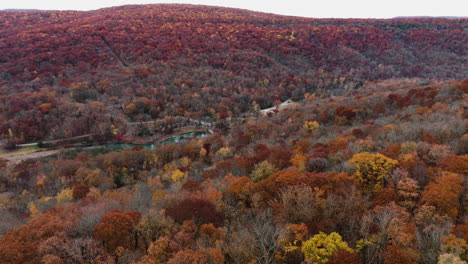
column 240, row 189
column 444, row 194
column 270, row 188
column 344, row 256
column 385, row 196
column 397, row 255
column 115, row 229
column 201, row 256
column 456, row 164
column 21, row 245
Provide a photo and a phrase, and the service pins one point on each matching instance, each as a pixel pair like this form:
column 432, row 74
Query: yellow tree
column 299, row 161
column 371, row 170
column 262, row 171
column 291, row 241
column 310, row 126
column 321, row 247
column 177, row 175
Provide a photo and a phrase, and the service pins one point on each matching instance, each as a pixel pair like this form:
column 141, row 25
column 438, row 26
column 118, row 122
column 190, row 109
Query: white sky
column 306, row 8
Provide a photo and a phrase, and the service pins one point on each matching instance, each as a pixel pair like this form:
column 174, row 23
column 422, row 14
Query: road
column 16, row 158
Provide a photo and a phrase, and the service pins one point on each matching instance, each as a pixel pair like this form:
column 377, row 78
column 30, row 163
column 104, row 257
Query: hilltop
column 70, row 73
column 253, row 138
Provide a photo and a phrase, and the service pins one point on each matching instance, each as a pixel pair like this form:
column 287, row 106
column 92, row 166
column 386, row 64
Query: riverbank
column 33, row 151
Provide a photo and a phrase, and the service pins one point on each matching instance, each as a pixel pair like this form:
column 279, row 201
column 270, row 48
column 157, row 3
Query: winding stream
column 174, row 139
column 18, row 156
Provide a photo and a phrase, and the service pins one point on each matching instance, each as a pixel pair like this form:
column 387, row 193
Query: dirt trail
column 16, row 158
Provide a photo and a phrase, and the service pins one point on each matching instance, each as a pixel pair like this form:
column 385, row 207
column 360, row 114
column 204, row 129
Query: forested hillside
column 367, row 163
column 375, row 177
column 70, row 73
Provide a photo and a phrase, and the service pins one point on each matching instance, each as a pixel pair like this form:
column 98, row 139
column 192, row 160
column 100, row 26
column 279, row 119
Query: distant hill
column 68, row 73
column 455, row 17
column 20, row 10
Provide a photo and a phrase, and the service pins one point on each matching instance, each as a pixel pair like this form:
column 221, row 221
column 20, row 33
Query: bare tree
column 265, row 236
column 429, row 241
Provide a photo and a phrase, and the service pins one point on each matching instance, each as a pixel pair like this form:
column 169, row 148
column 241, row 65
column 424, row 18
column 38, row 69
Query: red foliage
column 98, row 43
column 379, row 108
column 211, row 174
column 191, row 186
column 461, row 231
column 344, row 256
column 202, row 256
column 392, row 150
column 224, row 166
column 200, row 210
column 262, row 152
column 385, row 196
column 457, row 164
column 396, row 255
column 245, row 164
column 21, row 245
column 344, row 111
column 426, row 137
column 241, row 141
column 80, row 191
column 357, row 132
column 137, row 148
column 280, row 156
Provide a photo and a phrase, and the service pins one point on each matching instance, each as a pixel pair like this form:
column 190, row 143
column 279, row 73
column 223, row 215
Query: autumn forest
column 183, row 134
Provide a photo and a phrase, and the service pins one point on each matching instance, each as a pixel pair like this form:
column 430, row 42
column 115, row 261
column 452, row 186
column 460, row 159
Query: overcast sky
column 306, row 8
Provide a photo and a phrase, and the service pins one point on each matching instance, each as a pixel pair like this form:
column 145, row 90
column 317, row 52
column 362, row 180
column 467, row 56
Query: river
column 174, row 139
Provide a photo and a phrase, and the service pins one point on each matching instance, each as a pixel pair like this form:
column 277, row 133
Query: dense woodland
column 369, row 167
column 70, row 73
